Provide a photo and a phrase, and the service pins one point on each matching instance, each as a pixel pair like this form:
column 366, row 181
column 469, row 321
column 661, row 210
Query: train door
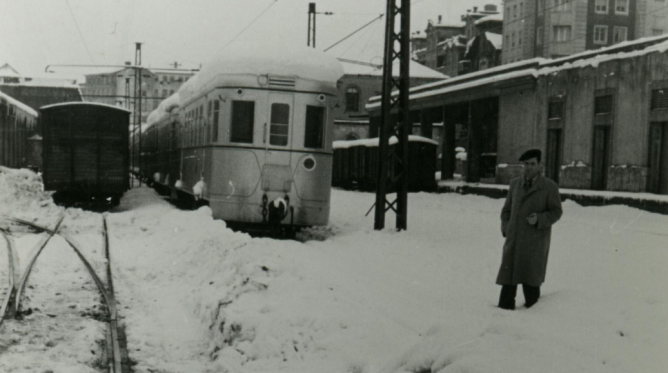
column 277, row 172
column 658, row 158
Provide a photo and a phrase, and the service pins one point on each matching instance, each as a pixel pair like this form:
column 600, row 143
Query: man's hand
column 532, row 219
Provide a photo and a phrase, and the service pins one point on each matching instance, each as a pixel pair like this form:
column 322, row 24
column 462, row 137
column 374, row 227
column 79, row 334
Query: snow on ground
column 197, row 297
column 60, row 329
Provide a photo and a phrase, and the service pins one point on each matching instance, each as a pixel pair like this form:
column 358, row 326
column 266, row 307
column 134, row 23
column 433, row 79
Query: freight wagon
column 85, row 152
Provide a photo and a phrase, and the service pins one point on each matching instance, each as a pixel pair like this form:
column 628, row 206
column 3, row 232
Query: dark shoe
column 529, row 304
column 507, row 307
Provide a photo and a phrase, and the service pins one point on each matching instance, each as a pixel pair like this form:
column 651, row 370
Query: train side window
column 315, row 125
column 280, row 124
column 216, row 110
column 243, row 119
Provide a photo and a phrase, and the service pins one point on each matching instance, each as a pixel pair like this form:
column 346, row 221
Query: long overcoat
column 527, row 246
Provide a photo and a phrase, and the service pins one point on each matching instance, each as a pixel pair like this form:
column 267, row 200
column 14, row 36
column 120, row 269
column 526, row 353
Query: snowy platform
column 644, row 201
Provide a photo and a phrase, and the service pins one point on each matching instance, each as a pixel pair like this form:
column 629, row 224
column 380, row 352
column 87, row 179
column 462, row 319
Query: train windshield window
column 315, row 124
column 243, row 118
column 280, row 124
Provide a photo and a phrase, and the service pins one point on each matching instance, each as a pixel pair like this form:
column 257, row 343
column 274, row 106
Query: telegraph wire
column 354, row 32
column 249, row 25
column 79, row 30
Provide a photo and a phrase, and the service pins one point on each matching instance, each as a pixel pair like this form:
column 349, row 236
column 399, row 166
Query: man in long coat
column 533, row 204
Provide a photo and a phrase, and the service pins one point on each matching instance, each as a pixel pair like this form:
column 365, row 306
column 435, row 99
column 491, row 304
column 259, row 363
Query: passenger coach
column 251, row 136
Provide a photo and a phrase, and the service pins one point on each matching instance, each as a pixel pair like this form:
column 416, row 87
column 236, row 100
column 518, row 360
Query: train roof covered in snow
column 268, row 66
column 264, row 66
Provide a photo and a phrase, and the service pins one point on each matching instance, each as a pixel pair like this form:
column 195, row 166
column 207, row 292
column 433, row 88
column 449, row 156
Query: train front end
column 268, row 162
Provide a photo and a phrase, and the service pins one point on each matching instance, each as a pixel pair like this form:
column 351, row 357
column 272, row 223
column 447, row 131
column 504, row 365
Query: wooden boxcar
column 86, row 152
column 356, row 164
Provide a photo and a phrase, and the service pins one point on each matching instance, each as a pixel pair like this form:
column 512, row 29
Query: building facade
column 558, row 28
column 118, row 87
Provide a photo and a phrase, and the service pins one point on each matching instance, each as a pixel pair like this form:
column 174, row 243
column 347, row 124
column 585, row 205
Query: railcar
column 18, row 122
column 251, row 136
column 85, row 153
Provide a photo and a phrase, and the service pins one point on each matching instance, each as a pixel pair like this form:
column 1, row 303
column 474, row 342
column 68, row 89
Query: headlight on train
column 309, row 163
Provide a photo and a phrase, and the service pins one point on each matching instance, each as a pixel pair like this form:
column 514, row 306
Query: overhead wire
column 74, row 18
column 249, row 25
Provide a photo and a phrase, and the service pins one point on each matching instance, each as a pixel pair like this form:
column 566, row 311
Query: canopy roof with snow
column 536, row 67
column 18, row 104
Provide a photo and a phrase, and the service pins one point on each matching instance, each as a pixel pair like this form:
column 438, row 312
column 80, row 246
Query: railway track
column 15, row 291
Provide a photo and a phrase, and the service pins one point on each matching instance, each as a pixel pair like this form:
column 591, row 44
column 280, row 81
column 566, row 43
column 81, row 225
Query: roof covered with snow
column 495, row 39
column 416, row 70
column 18, row 104
column 537, row 67
column 8, row 71
column 264, row 59
column 490, row 18
column 84, row 103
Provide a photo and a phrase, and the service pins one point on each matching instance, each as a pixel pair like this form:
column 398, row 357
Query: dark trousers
column 508, row 292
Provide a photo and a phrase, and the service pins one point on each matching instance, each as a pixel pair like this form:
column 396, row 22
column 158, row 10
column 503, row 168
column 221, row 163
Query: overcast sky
column 37, row 33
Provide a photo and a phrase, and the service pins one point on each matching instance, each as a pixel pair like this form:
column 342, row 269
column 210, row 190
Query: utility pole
column 138, row 100
column 393, row 161
column 311, row 23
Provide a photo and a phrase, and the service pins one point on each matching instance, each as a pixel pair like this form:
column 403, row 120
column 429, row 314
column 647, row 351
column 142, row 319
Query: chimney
column 439, row 19
column 127, row 63
column 475, row 9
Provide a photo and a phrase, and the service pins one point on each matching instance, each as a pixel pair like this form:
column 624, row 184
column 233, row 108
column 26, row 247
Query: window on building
column 601, row 6
column 561, row 33
column 540, row 7
column 507, row 40
column 280, row 124
column 315, row 127
column 600, row 34
column 562, row 5
column 483, row 64
column 603, row 105
column 657, row 31
column 521, row 9
column 440, row 61
column 659, row 99
column 619, row 34
column 514, row 11
column 539, row 36
column 513, row 40
column 352, row 99
column 621, row 6
column 243, row 120
column 555, row 110
column 519, row 38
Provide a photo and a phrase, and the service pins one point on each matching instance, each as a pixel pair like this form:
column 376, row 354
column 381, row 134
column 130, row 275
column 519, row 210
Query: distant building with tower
column 454, row 49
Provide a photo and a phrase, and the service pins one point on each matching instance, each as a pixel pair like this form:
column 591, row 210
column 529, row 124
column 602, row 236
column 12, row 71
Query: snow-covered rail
column 113, row 348
column 10, row 289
